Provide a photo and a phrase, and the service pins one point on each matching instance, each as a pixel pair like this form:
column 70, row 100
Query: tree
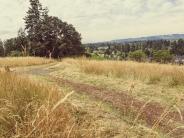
column 22, row 41
column 10, row 45
column 60, row 39
column 162, row 56
column 1, row 49
column 177, row 47
column 138, row 55
column 33, row 20
column 50, row 36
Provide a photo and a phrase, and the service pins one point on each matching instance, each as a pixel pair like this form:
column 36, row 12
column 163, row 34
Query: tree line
column 43, row 35
column 158, row 50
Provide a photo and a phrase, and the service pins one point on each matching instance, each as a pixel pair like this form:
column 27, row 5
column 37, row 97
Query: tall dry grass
column 23, row 61
column 28, row 109
column 151, row 72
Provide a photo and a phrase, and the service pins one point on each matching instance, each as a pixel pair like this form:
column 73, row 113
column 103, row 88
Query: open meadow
column 89, row 98
column 92, row 69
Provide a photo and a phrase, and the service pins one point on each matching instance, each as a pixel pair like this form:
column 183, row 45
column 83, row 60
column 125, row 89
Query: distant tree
column 10, row 45
column 162, row 56
column 138, row 55
column 147, row 52
column 177, row 47
column 107, row 52
column 1, row 48
column 15, row 53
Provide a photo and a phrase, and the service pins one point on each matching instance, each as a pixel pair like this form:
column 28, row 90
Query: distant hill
column 156, row 37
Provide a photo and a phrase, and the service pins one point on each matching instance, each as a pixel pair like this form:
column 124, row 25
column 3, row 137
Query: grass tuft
column 29, row 109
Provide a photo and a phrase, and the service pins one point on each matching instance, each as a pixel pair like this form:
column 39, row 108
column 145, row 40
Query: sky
column 102, row 20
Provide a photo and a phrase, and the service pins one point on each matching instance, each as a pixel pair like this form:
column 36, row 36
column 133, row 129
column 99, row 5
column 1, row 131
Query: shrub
column 162, row 56
column 97, row 57
column 15, row 54
column 138, row 55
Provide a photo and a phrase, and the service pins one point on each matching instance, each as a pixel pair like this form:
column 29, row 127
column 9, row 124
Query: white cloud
column 99, row 20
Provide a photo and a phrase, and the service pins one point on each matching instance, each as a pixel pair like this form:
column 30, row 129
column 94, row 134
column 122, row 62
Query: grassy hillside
column 137, row 89
column 30, row 107
column 110, row 99
column 151, row 72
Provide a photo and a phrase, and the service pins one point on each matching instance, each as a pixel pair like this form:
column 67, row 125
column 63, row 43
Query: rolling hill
column 151, row 38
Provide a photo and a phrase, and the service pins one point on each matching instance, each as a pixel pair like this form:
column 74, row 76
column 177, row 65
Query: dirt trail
column 154, row 114
column 151, row 112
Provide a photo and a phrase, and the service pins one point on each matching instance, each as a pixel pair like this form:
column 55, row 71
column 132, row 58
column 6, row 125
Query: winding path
column 154, row 114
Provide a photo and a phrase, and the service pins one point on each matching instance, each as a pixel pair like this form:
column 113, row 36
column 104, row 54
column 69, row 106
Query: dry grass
column 151, row 72
column 29, row 109
column 23, row 61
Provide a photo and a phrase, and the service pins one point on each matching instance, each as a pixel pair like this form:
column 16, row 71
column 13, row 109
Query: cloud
column 99, row 20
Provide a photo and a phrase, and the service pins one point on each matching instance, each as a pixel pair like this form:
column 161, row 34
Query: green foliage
column 15, row 54
column 122, row 50
column 137, row 55
column 18, row 44
column 1, row 49
column 97, row 57
column 50, row 36
column 22, row 42
column 162, row 56
column 11, row 45
column 178, row 47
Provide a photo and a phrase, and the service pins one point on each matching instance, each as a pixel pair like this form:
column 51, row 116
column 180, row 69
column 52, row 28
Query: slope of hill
column 156, row 37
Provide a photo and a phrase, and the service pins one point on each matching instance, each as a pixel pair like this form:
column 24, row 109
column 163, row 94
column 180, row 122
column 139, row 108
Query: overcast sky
column 101, row 20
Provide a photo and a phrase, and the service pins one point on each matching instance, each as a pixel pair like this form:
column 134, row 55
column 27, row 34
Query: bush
column 162, row 56
column 138, row 55
column 15, row 54
column 97, row 57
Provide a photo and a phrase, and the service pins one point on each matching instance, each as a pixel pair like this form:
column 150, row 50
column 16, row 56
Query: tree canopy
column 162, row 56
column 49, row 35
column 44, row 35
column 138, row 55
column 1, row 48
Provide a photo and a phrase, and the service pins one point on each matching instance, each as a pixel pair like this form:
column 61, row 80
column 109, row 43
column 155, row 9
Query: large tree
column 50, row 36
column 33, row 20
column 1, row 48
column 59, row 38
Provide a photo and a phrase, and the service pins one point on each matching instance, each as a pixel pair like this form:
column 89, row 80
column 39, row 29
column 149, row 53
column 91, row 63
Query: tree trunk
column 50, row 54
column 24, row 50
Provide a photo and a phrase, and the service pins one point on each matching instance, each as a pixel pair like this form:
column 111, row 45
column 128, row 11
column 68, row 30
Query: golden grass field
column 161, row 83
column 31, row 108
column 23, row 61
column 153, row 72
column 26, row 109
